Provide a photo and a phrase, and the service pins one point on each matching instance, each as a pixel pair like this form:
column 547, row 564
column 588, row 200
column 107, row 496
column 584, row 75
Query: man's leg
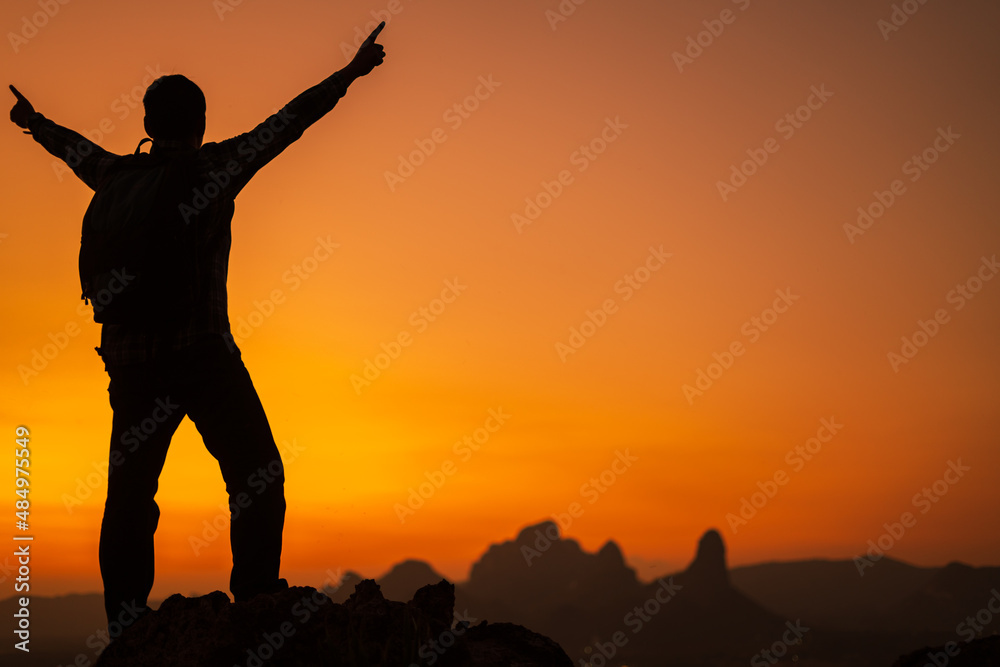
column 221, row 401
column 145, row 418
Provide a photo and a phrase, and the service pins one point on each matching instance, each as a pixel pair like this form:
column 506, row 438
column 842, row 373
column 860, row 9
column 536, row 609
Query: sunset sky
column 609, row 207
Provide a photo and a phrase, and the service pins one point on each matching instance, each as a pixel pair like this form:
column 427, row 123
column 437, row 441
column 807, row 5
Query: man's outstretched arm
column 244, row 154
column 87, row 160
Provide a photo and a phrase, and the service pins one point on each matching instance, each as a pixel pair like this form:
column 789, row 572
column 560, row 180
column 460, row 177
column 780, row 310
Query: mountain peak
column 611, row 553
column 711, row 548
column 529, row 534
column 403, row 580
column 412, row 567
column 709, row 566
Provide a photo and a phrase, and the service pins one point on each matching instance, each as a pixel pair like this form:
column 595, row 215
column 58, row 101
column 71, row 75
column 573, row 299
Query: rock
column 302, row 627
column 509, row 645
column 709, row 569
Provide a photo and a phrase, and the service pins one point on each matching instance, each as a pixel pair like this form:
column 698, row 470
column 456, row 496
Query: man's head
column 175, row 109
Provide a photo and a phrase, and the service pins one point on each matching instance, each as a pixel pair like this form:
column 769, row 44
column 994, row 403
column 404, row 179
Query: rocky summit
column 302, row 627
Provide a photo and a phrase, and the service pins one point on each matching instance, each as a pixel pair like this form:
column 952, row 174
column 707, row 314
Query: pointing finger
column 372, row 37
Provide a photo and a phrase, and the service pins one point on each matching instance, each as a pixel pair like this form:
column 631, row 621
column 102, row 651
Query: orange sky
column 660, row 135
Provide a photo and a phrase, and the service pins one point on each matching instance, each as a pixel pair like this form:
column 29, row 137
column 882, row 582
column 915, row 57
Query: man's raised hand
column 22, row 109
column 370, row 55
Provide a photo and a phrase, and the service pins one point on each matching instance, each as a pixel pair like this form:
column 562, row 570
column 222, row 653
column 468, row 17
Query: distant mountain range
column 716, row 616
column 816, row 612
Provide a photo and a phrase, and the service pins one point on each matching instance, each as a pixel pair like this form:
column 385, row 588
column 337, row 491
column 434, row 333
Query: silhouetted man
column 158, row 375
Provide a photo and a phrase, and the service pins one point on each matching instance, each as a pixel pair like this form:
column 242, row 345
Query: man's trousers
column 209, row 383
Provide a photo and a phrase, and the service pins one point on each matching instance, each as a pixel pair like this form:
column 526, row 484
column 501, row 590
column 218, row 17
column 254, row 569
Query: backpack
column 138, row 256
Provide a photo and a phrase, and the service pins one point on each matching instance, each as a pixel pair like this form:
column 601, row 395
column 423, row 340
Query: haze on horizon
column 604, row 256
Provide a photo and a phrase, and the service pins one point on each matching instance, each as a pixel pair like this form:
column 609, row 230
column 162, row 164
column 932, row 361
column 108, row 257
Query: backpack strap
column 121, row 162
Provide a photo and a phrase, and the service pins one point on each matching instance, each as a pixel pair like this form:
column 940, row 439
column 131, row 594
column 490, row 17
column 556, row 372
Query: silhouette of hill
column 891, row 597
column 406, row 578
column 345, row 587
column 951, row 594
column 831, row 593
